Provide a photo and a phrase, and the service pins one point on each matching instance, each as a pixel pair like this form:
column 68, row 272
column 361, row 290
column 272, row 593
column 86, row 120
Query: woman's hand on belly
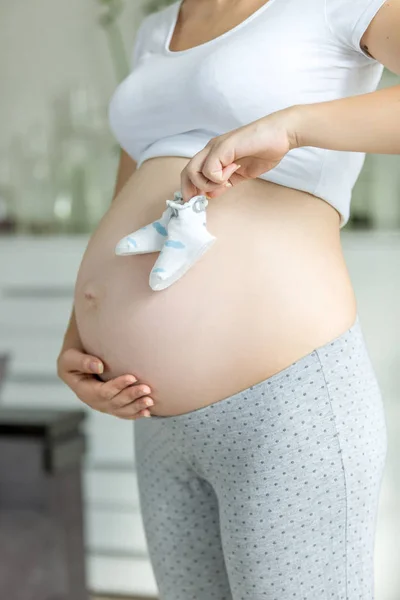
column 120, row 397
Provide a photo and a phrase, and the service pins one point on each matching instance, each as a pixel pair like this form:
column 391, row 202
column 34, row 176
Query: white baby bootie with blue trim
column 188, row 239
column 149, row 238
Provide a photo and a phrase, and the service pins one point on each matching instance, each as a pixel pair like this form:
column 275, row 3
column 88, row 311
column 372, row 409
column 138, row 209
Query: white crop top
column 287, row 52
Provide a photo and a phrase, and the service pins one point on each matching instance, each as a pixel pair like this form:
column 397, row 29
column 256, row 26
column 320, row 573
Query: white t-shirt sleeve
column 349, row 19
column 137, row 47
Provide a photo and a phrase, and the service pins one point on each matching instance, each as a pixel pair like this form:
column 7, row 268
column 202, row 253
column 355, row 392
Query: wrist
column 295, row 119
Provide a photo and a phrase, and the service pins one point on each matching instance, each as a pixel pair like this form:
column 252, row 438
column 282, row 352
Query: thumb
column 76, row 360
column 95, row 365
column 228, row 171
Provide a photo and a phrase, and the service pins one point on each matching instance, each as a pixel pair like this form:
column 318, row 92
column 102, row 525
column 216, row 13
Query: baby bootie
column 188, row 239
column 149, row 238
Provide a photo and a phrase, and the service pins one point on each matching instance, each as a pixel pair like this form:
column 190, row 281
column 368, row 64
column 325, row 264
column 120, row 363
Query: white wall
column 48, row 45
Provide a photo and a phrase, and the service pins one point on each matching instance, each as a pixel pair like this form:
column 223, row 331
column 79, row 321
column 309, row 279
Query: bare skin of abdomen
column 272, row 288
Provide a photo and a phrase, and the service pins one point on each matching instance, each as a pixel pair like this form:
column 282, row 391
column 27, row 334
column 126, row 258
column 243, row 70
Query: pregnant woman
column 259, row 470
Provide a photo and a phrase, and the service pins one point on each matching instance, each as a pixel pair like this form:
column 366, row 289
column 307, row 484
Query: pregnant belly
column 272, row 288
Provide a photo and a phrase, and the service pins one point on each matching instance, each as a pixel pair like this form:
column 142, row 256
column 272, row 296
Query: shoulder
column 153, row 31
column 157, row 21
column 348, row 21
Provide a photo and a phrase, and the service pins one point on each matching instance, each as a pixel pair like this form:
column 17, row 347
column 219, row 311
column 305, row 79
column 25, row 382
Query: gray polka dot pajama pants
column 272, row 493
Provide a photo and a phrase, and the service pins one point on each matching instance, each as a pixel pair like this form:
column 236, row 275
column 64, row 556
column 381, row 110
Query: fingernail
column 146, row 390
column 146, row 415
column 96, row 367
column 149, row 402
column 228, row 184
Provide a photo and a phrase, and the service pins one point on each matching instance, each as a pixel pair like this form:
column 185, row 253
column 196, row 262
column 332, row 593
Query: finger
column 129, row 395
column 114, row 387
column 188, row 189
column 75, row 360
column 93, row 391
column 87, row 388
column 193, row 181
column 217, row 171
column 221, row 155
column 135, row 407
column 229, row 183
column 236, row 178
column 233, row 181
column 188, row 186
column 194, row 171
column 228, row 171
column 132, row 410
column 130, row 416
column 200, row 184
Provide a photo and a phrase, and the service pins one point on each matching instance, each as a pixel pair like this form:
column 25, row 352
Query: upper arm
column 382, row 36
column 369, row 27
column 126, row 168
column 142, row 39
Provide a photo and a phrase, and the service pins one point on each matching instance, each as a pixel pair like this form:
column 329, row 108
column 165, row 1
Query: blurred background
column 59, row 64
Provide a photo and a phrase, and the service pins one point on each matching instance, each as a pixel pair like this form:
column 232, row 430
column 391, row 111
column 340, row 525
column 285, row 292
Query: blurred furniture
column 4, row 358
column 41, row 525
column 37, row 276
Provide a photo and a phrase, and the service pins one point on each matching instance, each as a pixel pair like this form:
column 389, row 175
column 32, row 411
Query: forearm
column 364, row 123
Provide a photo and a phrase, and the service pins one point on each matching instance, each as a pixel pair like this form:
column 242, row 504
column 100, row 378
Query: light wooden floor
column 122, row 598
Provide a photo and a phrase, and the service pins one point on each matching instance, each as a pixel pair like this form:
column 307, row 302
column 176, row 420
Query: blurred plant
column 111, row 10
column 155, row 5
column 108, row 19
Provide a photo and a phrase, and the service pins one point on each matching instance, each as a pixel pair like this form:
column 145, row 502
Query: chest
column 200, row 26
column 240, row 77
